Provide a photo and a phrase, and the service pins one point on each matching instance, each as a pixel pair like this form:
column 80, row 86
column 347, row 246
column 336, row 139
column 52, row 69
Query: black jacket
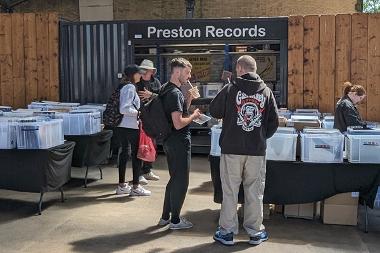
column 346, row 114
column 249, row 114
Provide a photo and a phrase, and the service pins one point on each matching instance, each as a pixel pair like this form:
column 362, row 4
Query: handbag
column 147, row 150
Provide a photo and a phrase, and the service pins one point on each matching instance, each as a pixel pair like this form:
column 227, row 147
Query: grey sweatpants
column 250, row 170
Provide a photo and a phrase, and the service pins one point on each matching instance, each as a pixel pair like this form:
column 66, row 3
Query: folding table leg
column 366, row 217
column 40, row 203
column 62, row 196
column 101, row 172
column 85, row 178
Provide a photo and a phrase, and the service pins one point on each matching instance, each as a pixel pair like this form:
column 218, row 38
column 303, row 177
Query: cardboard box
column 282, row 121
column 347, row 198
column 340, row 214
column 341, row 209
column 305, row 211
column 300, row 125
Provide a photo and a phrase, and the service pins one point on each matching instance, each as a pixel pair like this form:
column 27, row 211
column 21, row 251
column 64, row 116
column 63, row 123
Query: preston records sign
column 209, row 29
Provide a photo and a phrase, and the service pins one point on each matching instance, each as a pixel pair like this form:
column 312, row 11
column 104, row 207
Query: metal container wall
column 91, row 56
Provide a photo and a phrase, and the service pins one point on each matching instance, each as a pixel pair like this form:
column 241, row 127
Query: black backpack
column 112, row 116
column 153, row 117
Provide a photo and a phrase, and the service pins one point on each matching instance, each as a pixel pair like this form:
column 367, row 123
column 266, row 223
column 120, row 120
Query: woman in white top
column 128, row 132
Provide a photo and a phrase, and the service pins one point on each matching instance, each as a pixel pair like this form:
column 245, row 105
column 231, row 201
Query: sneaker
column 126, row 189
column 163, row 222
column 182, row 224
column 151, row 176
column 142, row 180
column 258, row 238
column 227, row 239
column 140, row 191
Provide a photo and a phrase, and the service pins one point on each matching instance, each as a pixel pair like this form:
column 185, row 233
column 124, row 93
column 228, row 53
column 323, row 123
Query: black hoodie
column 249, row 114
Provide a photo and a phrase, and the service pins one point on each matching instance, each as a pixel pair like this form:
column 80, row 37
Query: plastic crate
column 81, row 122
column 363, row 148
column 5, row 108
column 32, row 134
column 322, row 146
column 282, row 145
column 211, row 90
column 8, row 136
column 215, row 135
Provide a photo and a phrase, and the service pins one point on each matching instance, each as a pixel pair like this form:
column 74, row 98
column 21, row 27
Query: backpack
column 112, row 116
column 154, row 121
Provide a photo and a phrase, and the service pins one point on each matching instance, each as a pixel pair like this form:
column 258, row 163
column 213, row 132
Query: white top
column 129, row 103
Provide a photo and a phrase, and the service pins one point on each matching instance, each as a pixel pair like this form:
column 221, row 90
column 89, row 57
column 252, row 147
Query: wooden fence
column 28, row 58
column 326, row 51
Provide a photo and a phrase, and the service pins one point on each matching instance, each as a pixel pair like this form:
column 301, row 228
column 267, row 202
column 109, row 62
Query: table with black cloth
column 299, row 182
column 36, row 170
column 91, row 150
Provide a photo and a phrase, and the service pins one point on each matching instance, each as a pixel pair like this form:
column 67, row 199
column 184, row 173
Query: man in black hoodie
column 250, row 117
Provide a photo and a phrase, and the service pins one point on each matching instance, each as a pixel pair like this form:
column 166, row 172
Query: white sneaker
column 142, row 180
column 151, row 176
column 140, row 191
column 126, row 189
column 182, row 224
column 163, row 222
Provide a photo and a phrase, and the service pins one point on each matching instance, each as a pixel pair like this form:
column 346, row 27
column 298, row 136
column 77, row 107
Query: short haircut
column 358, row 89
column 179, row 63
column 248, row 63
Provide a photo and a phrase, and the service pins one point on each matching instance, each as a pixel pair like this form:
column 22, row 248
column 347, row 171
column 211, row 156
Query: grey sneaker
column 142, row 180
column 151, row 176
column 163, row 222
column 182, row 224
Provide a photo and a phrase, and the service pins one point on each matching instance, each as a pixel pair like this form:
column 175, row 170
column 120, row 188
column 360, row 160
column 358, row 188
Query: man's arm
column 218, row 104
column 180, row 122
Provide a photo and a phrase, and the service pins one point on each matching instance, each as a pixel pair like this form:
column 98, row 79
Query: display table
column 91, row 150
column 36, row 170
column 299, row 182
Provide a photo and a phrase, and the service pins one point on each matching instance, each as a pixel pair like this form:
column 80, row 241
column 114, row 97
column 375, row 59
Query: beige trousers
column 250, row 170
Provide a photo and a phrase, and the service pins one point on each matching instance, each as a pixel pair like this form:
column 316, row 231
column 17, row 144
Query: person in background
column 249, row 112
column 346, row 113
column 128, row 132
column 177, row 145
column 147, row 87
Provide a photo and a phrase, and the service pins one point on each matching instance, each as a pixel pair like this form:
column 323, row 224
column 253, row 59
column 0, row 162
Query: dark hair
column 358, row 89
column 129, row 72
column 179, row 63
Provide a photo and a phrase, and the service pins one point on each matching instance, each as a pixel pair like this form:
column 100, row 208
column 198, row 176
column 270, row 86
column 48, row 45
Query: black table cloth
column 90, row 150
column 36, row 170
column 298, row 182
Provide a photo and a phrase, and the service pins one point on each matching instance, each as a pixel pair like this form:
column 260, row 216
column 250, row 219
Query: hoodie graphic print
column 249, row 110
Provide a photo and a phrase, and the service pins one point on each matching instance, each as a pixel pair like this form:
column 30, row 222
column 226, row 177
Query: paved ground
column 95, row 220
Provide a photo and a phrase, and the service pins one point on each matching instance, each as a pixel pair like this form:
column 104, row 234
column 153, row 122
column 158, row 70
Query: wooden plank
column 342, row 53
column 359, row 55
column 18, row 60
column 1, row 38
column 30, row 46
column 6, row 80
column 6, row 60
column 311, row 61
column 295, row 62
column 5, row 34
column 327, row 63
column 53, row 57
column 373, row 75
column 42, row 30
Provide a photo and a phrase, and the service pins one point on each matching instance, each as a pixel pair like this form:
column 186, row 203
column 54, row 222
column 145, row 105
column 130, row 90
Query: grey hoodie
column 249, row 114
